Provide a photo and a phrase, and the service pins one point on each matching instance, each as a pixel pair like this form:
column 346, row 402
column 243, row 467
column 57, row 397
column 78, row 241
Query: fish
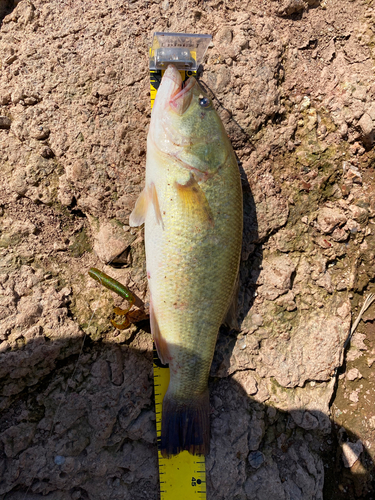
column 192, row 209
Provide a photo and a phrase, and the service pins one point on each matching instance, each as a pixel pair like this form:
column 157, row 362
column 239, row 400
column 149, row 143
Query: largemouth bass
column 192, row 209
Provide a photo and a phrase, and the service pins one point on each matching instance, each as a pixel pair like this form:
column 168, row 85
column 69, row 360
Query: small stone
column 287, row 301
column 290, row 7
column 40, row 132
column 352, row 226
column 351, row 172
column 5, row 96
column 351, row 452
column 105, row 90
column 59, row 460
column 358, row 341
column 305, row 104
column 217, row 402
column 343, row 130
column 367, row 127
column 358, row 213
column 330, row 218
column 257, row 319
column 323, row 242
column 277, row 272
column 339, row 234
column 110, row 241
column 59, row 246
column 224, row 35
column 344, row 310
column 353, row 374
column 30, row 101
column 47, row 153
column 5, row 122
column 9, row 60
column 354, row 397
column 256, row 458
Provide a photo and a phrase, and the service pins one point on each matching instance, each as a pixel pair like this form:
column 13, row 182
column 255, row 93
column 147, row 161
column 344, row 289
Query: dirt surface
column 292, row 411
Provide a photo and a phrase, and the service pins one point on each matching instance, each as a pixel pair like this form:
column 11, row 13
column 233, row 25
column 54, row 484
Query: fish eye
column 204, row 102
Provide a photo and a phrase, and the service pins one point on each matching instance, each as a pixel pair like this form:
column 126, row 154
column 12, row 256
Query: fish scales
column 192, row 208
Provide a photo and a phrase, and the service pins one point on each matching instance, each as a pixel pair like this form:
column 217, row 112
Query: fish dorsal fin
column 194, row 201
column 148, row 196
column 160, row 343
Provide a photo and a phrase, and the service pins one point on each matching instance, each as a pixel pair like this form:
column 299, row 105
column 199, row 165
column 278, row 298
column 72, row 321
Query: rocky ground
column 292, row 411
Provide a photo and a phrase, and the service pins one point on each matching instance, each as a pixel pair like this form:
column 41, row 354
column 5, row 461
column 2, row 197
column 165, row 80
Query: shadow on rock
column 6, row 7
column 80, row 424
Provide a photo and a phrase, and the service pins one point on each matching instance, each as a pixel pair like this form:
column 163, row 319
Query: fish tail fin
column 185, row 425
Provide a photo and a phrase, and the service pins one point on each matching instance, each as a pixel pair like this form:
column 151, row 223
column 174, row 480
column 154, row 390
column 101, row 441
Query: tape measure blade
column 183, row 476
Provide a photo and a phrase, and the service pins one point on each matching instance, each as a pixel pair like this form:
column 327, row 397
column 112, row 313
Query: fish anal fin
column 160, row 343
column 148, row 196
column 194, row 201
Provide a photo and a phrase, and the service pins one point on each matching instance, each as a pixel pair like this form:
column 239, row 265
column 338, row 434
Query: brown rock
column 367, row 128
column 339, row 234
column 110, row 241
column 40, row 132
column 5, row 122
column 330, row 218
column 359, row 214
column 290, row 7
column 353, row 374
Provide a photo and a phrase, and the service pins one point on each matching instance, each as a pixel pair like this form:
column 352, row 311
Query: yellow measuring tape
column 183, row 476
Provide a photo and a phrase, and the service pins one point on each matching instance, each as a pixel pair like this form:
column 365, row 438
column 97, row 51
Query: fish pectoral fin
column 138, row 215
column 194, row 200
column 160, row 343
column 148, row 196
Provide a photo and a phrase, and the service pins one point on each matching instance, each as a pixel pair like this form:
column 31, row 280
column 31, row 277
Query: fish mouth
column 173, row 74
column 180, row 95
column 181, row 101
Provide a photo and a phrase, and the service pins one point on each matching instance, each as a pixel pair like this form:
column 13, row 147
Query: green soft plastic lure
column 125, row 293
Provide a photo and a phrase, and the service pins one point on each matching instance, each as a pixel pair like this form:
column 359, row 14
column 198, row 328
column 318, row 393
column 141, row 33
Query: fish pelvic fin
column 194, row 201
column 185, row 425
column 147, row 197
